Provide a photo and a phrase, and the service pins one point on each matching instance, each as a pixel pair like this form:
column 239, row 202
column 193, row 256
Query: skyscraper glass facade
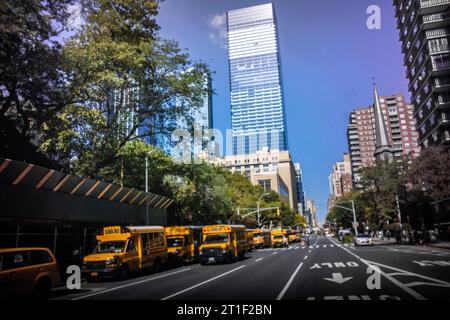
column 257, row 103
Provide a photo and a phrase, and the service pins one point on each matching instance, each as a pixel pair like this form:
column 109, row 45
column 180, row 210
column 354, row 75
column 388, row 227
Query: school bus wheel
column 229, row 257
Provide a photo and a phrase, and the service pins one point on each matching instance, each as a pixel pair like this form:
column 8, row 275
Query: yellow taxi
column 28, row 271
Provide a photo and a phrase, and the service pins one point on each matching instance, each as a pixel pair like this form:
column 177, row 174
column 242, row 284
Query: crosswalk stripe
column 324, row 245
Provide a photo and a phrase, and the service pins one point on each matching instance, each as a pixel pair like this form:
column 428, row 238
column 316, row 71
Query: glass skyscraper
column 257, row 104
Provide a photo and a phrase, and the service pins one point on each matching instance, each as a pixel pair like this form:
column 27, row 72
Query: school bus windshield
column 216, row 238
column 175, row 242
column 110, row 247
column 278, row 237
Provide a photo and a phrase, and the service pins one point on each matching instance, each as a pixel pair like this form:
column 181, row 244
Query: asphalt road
column 326, row 270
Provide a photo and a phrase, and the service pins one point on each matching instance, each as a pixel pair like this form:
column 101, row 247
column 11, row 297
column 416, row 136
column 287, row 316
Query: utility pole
column 354, row 217
column 354, row 214
column 257, row 208
column 399, row 214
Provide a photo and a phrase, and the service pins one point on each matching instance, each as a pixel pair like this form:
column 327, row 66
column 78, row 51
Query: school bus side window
column 161, row 238
column 146, row 243
column 153, row 240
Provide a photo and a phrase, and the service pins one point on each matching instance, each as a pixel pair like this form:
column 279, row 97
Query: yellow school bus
column 279, row 238
column 298, row 236
column 292, row 236
column 181, row 245
column 249, row 236
column 124, row 250
column 223, row 242
column 261, row 238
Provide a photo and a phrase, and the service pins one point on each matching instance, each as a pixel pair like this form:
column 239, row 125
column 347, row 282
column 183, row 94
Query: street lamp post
column 257, row 209
column 354, row 214
column 146, row 185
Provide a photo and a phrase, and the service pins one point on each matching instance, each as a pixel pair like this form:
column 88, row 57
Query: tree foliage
column 415, row 183
column 33, row 86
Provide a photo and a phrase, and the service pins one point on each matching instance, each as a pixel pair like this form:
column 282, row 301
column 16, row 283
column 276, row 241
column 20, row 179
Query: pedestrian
column 388, row 235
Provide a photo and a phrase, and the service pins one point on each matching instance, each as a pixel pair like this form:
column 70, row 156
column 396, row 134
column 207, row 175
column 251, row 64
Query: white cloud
column 217, row 21
column 218, row 35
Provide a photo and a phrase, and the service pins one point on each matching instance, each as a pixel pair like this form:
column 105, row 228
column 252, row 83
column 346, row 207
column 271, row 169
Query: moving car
column 28, row 271
column 363, row 240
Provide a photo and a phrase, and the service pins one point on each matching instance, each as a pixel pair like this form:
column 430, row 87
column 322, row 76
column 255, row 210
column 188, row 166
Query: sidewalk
column 442, row 245
column 377, row 241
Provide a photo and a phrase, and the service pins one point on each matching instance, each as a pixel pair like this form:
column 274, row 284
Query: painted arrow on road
column 337, row 277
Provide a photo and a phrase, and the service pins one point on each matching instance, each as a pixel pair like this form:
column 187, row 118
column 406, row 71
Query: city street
column 326, row 270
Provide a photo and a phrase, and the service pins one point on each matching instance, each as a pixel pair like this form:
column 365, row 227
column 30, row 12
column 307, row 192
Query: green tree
column 429, row 174
column 33, row 87
column 138, row 83
column 380, row 184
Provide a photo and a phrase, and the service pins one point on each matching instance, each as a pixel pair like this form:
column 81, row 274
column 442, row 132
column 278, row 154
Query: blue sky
column 328, row 58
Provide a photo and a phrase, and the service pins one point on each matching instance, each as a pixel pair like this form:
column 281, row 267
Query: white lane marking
column 306, row 257
column 309, row 251
column 409, row 273
column 332, row 245
column 202, row 283
column 275, row 253
column 418, row 283
column 297, row 248
column 324, row 246
column 303, row 247
column 394, row 281
column 130, row 284
column 270, row 249
column 288, row 284
column 258, row 259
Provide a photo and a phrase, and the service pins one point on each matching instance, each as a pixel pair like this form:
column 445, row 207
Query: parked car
column 28, row 271
column 363, row 240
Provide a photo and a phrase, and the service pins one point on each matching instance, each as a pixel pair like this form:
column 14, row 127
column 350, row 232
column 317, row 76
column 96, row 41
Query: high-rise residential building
column 271, row 169
column 257, row 104
column 300, row 191
column 400, row 127
column 424, row 27
column 340, row 180
column 311, row 213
